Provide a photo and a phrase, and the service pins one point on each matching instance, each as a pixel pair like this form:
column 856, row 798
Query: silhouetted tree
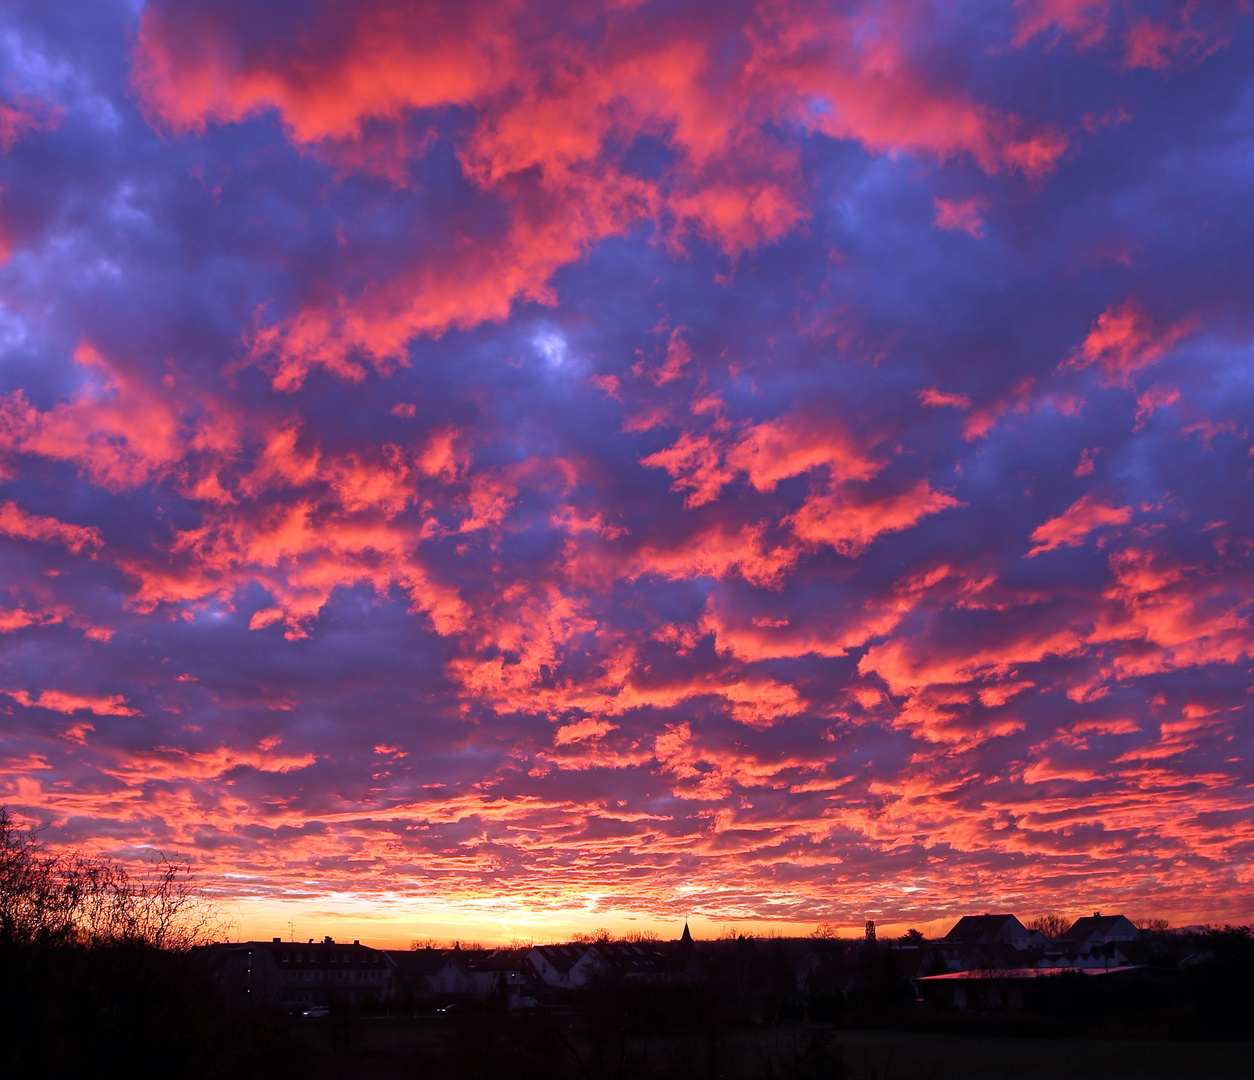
column 97, row 978
column 1051, row 926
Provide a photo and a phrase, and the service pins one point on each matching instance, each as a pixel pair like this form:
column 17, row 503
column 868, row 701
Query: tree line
column 98, row 976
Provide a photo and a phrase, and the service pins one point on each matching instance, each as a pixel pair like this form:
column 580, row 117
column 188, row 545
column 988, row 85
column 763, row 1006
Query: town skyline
column 484, row 469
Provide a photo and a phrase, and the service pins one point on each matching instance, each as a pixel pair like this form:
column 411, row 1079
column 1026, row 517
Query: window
column 333, row 958
column 287, row 956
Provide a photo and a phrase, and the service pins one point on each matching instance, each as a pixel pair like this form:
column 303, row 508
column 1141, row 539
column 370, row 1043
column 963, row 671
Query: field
column 893, row 1056
column 472, row 1048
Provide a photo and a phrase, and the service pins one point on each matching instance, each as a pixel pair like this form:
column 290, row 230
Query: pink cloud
column 937, row 399
column 1073, row 525
column 63, row 702
column 16, row 522
column 849, row 522
column 960, row 215
column 541, row 147
column 1125, row 339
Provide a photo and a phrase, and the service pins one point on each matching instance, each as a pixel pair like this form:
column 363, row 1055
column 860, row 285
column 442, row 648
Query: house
column 505, row 975
column 565, row 967
column 637, row 961
column 1092, row 932
column 420, row 974
column 988, row 941
column 293, row 975
column 1004, row 929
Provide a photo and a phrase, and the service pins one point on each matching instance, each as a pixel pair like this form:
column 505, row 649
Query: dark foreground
column 385, row 1049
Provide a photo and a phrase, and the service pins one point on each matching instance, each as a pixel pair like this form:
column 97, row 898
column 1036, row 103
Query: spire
column 686, row 939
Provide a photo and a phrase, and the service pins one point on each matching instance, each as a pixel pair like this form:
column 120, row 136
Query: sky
column 497, row 470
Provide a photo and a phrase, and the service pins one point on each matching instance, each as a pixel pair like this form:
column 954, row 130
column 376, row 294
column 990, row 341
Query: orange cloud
column 1143, row 41
column 961, row 215
column 753, row 640
column 778, row 449
column 909, row 665
column 717, row 552
column 1124, row 340
column 1082, row 517
column 177, row 764
column 16, row 121
column 18, row 618
column 375, row 63
column 300, row 553
column 1086, row 20
column 765, row 453
column 856, row 65
column 441, row 456
column 16, row 522
column 62, row 702
column 696, row 462
column 938, row 399
column 1155, row 398
column 850, row 522
column 122, row 431
column 547, row 137
column 980, row 421
column 281, row 462
column 1166, row 615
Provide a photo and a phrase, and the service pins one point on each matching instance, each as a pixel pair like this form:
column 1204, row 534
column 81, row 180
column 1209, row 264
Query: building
column 1092, row 932
column 293, row 975
column 503, row 975
column 1002, row 988
column 989, row 941
column 422, row 974
column 636, row 961
column 565, row 967
column 1004, row 929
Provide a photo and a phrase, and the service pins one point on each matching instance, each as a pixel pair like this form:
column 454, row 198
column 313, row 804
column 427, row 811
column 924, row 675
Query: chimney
column 278, row 940
column 328, row 940
column 1097, row 914
column 356, row 942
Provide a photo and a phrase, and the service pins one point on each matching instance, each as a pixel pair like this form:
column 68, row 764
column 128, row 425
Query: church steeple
column 686, row 939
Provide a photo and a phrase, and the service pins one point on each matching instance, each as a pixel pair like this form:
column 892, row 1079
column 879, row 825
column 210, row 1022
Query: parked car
column 317, row 1010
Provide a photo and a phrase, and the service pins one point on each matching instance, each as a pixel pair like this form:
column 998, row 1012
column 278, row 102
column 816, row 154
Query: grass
column 407, row 1050
column 875, row 1055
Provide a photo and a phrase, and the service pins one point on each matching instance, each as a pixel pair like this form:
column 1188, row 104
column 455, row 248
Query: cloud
column 63, row 702
column 1073, row 525
column 549, row 152
column 568, row 455
column 1123, row 340
column 850, row 522
column 120, row 431
column 16, row 522
column 1182, row 35
column 937, row 399
column 962, row 215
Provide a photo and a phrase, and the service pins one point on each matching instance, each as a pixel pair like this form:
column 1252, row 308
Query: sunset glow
column 491, row 470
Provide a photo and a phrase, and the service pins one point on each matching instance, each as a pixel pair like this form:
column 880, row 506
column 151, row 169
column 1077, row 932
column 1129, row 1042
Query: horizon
column 485, row 471
column 885, row 933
